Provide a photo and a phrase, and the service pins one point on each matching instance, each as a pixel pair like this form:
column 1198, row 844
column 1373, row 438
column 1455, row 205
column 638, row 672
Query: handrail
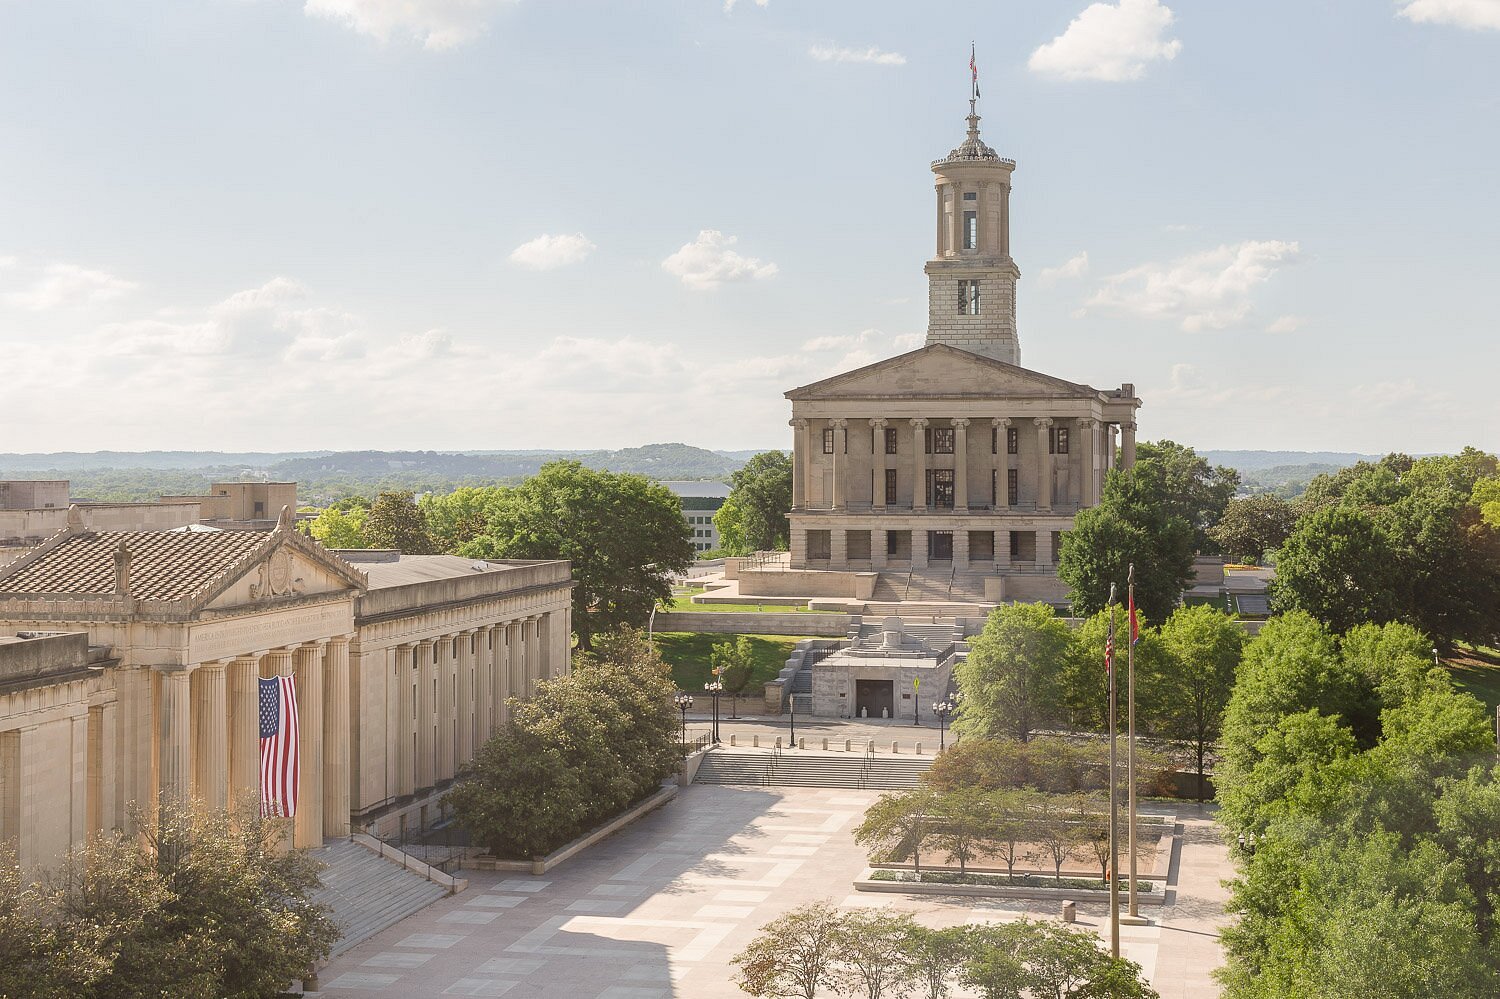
column 865, row 765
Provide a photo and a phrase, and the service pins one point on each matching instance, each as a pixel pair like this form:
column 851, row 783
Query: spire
column 973, row 147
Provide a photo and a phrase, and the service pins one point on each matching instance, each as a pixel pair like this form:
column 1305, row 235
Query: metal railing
column 699, row 744
column 866, row 764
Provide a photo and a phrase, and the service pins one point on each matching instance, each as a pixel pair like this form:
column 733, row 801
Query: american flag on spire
column 974, row 70
column 278, row 747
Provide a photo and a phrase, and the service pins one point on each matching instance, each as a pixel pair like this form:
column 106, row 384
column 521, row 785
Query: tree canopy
column 1012, row 678
column 754, row 517
column 1251, row 526
column 395, row 521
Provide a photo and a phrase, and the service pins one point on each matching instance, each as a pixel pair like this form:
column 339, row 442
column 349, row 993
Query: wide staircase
column 928, row 587
column 367, row 892
column 809, row 768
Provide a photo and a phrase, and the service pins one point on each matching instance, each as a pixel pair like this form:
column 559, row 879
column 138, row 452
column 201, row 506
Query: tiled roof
column 164, row 565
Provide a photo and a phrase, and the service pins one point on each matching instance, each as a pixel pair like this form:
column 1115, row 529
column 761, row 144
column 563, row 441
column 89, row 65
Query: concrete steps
column 369, row 893
column 806, row 768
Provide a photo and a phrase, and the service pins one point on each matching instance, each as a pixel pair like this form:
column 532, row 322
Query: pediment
column 941, row 371
column 285, row 572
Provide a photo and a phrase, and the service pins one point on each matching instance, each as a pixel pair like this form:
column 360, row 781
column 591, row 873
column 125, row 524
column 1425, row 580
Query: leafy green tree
column 1251, row 526
column 1294, row 752
column 1190, row 487
column 624, row 534
column 340, row 529
column 1011, row 680
column 455, row 519
column 754, row 517
column 935, row 956
column 1086, row 683
column 899, row 823
column 1055, row 830
column 873, row 954
column 1203, row 649
column 966, row 820
column 733, row 663
column 1041, row 960
column 395, row 521
column 793, row 955
column 1140, row 520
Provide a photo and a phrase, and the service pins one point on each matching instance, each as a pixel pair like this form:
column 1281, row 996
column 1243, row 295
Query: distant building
column 700, row 500
column 705, row 534
column 33, row 494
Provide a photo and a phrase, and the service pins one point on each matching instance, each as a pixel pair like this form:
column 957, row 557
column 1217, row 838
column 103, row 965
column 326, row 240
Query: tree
column 1203, row 648
column 873, row 954
column 754, row 517
column 1252, row 526
column 395, row 521
column 1289, row 760
column 459, row 517
column 733, row 663
column 1029, row 958
column 1012, row 816
column 337, row 528
column 794, row 955
column 1056, row 831
column 1191, row 488
column 624, row 534
column 1086, row 683
column 935, row 955
column 965, row 823
column 897, row 824
column 1010, row 680
column 1140, row 519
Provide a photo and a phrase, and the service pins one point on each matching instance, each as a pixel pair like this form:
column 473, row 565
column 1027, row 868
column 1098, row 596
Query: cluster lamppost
column 943, row 709
column 714, row 689
column 683, row 700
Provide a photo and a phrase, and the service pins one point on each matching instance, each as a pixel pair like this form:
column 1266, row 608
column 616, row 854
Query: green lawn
column 681, row 602
column 687, row 653
column 1476, row 671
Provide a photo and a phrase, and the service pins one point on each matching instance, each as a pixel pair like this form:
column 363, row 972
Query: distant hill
column 1247, row 461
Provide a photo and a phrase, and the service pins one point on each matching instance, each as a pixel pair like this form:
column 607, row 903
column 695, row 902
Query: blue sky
column 278, row 224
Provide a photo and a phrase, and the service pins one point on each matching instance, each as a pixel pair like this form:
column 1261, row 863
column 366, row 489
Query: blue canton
column 270, row 708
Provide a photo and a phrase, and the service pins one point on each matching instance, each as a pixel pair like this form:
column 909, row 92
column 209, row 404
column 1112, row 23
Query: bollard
column 755, row 742
column 919, row 749
column 825, row 745
column 731, row 739
column 801, row 743
column 895, row 747
column 848, row 745
column 778, row 742
column 1070, row 912
column 870, row 746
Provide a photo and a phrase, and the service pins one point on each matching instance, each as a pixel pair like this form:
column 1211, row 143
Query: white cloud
column 1109, row 42
column 437, row 24
column 908, row 341
column 60, row 285
column 729, row 4
column 1210, row 290
column 709, row 261
column 1477, row 15
column 828, row 53
column 547, row 252
column 848, row 341
column 1285, row 324
column 1076, row 267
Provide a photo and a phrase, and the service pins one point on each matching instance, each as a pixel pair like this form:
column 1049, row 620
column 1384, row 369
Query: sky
column 466, row 224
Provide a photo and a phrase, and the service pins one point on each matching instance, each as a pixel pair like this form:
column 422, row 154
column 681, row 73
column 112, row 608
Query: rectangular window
column 971, row 196
column 942, row 440
column 994, row 440
column 828, row 440
column 994, row 486
column 819, row 545
column 1062, row 440
column 857, row 544
column 890, row 487
column 1012, row 440
column 1012, row 486
column 971, row 230
column 927, row 440
column 890, row 440
column 981, row 546
column 940, row 488
column 968, row 298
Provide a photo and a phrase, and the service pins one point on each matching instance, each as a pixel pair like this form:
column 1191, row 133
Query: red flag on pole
column 1135, row 625
column 1109, row 647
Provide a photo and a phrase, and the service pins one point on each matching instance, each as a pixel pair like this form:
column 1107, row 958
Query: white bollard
column 801, row 743
column 778, row 742
column 825, row 745
column 895, row 747
column 848, row 745
column 731, row 739
column 919, row 749
column 755, row 742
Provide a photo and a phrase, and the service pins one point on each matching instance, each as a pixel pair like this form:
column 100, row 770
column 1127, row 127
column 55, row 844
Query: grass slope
column 687, row 653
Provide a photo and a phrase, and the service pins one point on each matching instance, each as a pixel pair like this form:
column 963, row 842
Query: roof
column 1051, row 382
column 423, row 568
column 164, row 565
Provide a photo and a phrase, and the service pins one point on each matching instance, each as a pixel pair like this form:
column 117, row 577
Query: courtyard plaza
column 658, row 910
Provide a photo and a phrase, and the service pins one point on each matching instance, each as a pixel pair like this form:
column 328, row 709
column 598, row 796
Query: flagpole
column 1114, row 803
column 1130, row 745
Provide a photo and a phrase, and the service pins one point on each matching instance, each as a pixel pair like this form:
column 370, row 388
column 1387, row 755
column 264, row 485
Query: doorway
column 878, row 697
column 940, row 546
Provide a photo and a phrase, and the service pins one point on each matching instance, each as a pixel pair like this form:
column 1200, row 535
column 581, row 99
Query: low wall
column 749, row 623
column 803, row 583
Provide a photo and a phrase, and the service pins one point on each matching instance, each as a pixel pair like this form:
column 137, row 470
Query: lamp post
column 714, row 688
column 683, row 700
column 943, row 709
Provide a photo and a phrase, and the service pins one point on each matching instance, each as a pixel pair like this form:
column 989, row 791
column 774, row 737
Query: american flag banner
column 278, row 747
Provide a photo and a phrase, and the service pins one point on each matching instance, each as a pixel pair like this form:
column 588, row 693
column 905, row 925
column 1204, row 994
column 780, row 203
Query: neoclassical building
column 952, row 460
column 129, row 663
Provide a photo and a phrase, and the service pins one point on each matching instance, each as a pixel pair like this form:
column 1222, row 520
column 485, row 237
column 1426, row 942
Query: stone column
column 1127, row 445
column 1043, row 463
column 174, row 719
column 484, row 688
column 1088, row 440
column 336, row 747
column 877, row 495
column 838, row 548
column 919, row 476
column 960, row 467
column 309, row 818
column 956, row 233
column 961, row 550
column 1044, row 555
column 446, row 668
column 1111, row 459
column 466, row 641
column 533, row 629
column 801, row 463
column 515, row 660
column 840, row 463
column 244, row 731
column 499, row 672
column 406, row 728
column 426, row 712
column 1001, row 462
column 210, row 735
column 919, row 548
column 278, row 662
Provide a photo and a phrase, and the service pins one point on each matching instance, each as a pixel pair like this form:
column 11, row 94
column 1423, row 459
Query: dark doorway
column 874, row 696
column 941, row 546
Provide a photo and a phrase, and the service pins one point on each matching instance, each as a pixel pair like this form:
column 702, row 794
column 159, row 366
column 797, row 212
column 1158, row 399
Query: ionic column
column 1111, row 459
column 308, row 829
column 515, row 662
column 447, row 683
column 801, row 463
column 426, row 712
column 406, row 727
column 484, row 687
column 961, row 466
column 877, row 440
column 1043, row 463
column 174, row 733
column 1001, row 462
column 210, row 735
column 336, row 716
column 1127, row 445
column 533, row 628
column 244, row 731
column 919, row 477
column 465, row 750
column 1088, row 438
column 840, row 462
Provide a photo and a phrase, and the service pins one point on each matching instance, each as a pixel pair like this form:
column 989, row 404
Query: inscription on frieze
column 223, row 639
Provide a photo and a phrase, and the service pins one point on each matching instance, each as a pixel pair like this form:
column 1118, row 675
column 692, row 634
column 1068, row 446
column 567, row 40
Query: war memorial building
column 950, row 463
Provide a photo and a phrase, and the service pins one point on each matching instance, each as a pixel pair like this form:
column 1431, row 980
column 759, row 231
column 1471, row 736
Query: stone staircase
column 928, row 587
column 367, row 892
column 809, row 768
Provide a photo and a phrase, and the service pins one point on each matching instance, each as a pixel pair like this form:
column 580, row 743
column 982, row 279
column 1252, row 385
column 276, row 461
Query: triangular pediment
column 938, row 371
column 291, row 566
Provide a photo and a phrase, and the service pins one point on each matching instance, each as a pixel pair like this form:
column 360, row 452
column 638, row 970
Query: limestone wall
column 750, row 623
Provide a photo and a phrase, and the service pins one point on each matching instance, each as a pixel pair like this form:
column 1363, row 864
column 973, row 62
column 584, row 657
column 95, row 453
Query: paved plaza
column 657, row 911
